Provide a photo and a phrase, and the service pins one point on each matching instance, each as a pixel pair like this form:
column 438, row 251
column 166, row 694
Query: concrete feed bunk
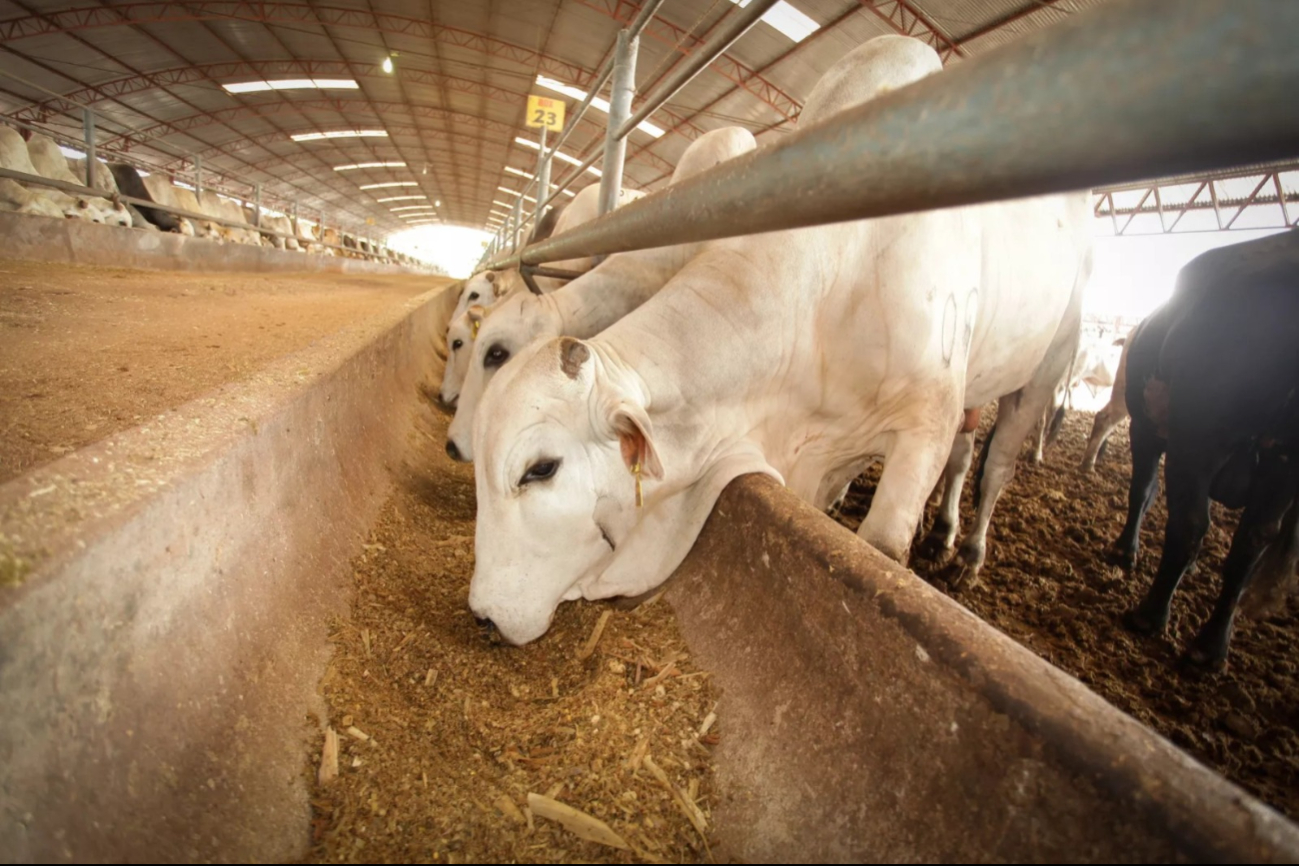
column 164, row 619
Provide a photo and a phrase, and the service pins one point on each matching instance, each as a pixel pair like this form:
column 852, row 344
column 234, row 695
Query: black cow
column 130, row 183
column 1212, row 379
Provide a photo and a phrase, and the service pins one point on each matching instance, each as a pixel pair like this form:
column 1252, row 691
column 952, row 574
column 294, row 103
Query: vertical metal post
column 257, row 205
column 543, row 179
column 516, row 220
column 88, row 125
column 198, row 176
column 615, row 148
column 1280, row 198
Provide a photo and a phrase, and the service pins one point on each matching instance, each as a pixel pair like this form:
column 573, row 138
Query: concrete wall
column 867, row 717
column 76, row 242
column 164, row 599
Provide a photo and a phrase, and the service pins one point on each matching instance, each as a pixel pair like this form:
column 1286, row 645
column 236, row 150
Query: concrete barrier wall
column 867, row 717
column 164, row 598
column 76, row 242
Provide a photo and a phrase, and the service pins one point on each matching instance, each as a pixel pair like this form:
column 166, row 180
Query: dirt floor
column 1045, row 585
column 452, row 736
column 86, row 352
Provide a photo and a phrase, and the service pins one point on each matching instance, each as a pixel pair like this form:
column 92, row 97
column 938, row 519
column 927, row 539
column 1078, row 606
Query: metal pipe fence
column 1124, row 92
column 622, row 121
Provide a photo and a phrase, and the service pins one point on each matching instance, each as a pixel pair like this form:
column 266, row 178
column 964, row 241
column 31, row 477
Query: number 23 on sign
column 545, row 113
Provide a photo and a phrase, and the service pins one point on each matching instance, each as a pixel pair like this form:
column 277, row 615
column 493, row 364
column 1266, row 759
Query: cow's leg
column 911, row 469
column 1041, row 438
column 942, row 535
column 1270, row 497
column 1187, row 478
column 1106, row 420
column 1016, row 414
column 1147, row 448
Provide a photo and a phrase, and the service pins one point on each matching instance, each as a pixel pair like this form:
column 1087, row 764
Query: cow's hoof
column 1124, row 559
column 961, row 576
column 1198, row 662
column 1144, row 622
column 935, row 548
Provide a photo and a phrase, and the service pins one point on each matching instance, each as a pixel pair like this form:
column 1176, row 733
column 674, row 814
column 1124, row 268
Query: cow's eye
column 473, row 296
column 496, row 356
column 539, row 471
column 457, row 344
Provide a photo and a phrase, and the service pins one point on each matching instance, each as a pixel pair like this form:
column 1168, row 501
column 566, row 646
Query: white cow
column 162, row 191
column 588, row 304
column 1114, row 411
column 584, row 207
column 1093, row 367
column 103, row 176
column 802, row 355
column 14, row 156
column 17, row 198
column 487, row 287
column 279, row 224
column 460, row 339
column 186, row 199
column 50, row 162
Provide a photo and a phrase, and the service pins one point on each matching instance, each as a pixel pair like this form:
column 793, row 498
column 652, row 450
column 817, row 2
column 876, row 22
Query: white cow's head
column 555, row 483
column 460, row 346
column 578, row 496
column 513, row 324
column 479, row 289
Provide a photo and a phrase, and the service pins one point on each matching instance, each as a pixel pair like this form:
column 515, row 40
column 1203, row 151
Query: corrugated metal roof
column 152, row 73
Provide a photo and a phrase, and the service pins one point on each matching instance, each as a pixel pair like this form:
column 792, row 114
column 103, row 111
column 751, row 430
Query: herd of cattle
column 40, row 155
column 605, row 416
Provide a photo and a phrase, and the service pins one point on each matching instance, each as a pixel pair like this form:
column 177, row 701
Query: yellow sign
column 547, row 113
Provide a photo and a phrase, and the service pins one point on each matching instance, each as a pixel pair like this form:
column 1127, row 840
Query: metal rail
column 1084, row 103
column 625, row 55
column 731, row 30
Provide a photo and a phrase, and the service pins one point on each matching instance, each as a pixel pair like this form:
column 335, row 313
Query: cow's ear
column 635, row 439
column 491, row 276
column 476, row 315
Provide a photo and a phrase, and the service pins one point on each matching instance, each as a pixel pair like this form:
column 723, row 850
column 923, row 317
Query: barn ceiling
column 453, row 105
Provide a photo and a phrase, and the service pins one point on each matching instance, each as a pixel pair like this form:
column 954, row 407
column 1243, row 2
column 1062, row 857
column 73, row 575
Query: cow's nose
column 453, row 452
column 490, row 631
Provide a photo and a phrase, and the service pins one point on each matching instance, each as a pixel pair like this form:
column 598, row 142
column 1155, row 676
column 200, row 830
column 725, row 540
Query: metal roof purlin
column 906, row 19
column 40, row 64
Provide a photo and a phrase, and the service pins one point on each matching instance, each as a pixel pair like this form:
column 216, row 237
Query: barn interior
column 235, row 555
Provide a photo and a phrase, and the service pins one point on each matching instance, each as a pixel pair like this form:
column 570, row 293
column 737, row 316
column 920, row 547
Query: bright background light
column 1135, row 274
column 455, row 249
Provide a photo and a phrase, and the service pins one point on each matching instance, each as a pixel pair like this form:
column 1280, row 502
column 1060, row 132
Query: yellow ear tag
column 477, row 323
column 635, row 470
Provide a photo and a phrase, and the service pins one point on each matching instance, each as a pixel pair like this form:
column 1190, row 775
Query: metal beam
column 1171, row 201
column 1215, row 95
column 1009, row 18
column 905, row 18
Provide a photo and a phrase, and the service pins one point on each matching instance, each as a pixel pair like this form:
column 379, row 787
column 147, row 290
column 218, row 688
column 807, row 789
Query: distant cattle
column 1113, row 412
column 50, row 163
column 1213, row 382
column 17, row 198
column 14, row 156
column 1093, row 367
column 130, row 183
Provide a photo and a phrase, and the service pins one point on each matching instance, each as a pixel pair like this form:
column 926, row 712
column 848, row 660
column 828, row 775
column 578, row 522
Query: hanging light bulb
column 387, row 64
column 437, row 203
